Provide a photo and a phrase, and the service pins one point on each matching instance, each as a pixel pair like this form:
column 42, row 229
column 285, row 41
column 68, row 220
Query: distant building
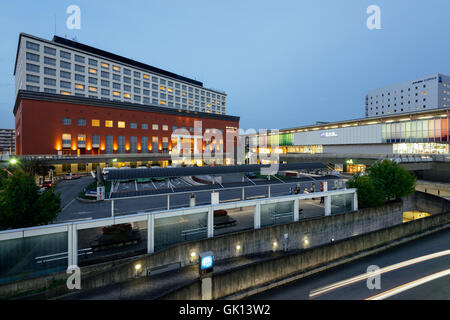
column 423, row 94
column 7, row 144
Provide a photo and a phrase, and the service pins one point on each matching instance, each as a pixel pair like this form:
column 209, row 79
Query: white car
column 107, row 169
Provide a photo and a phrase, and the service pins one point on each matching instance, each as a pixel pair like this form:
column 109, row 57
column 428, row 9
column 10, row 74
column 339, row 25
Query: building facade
column 53, row 124
column 418, row 95
column 67, row 67
column 7, row 141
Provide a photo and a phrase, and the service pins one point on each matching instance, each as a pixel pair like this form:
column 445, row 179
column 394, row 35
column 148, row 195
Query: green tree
column 394, row 180
column 370, row 195
column 21, row 204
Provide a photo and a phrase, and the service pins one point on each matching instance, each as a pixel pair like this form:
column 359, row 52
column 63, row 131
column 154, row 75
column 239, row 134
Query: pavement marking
column 343, row 283
column 410, row 285
column 65, row 207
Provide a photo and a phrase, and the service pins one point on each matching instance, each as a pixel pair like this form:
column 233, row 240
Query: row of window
column 133, row 125
column 105, row 68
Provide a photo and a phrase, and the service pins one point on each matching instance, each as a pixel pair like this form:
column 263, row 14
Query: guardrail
column 71, row 229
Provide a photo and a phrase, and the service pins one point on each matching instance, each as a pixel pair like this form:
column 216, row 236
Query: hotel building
column 68, row 67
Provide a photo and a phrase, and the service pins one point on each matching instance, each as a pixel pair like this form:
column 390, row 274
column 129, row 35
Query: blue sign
column 207, row 262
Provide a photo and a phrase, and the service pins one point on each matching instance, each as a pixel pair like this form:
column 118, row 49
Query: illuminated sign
column 349, row 161
column 328, row 134
column 206, row 262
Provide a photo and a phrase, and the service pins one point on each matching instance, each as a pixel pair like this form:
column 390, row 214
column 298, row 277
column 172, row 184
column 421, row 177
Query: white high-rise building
column 423, row 94
column 67, row 67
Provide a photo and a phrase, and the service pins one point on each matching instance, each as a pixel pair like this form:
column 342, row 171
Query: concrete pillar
column 69, row 245
column 207, row 288
column 257, row 217
column 192, row 200
column 296, row 208
column 72, row 237
column 168, row 201
column 328, row 205
column 150, row 233
column 325, row 186
column 243, row 193
column 214, row 198
column 112, row 208
column 268, row 190
column 210, row 222
column 355, row 201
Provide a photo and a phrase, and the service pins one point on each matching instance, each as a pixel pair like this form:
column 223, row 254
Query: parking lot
column 152, row 184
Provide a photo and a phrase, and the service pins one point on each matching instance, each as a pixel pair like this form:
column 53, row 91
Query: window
column 93, row 62
column 127, row 80
column 133, row 125
column 144, row 126
column 108, row 123
column 32, row 67
column 64, row 65
column 33, row 57
column 79, row 77
column 127, row 71
column 79, row 58
column 116, row 93
column 51, row 51
column 146, row 76
column 79, row 87
column 66, row 140
column 95, row 123
column 137, row 82
column 95, row 141
column 48, row 90
column 66, row 121
column 32, row 46
column 65, row 55
column 137, row 90
column 105, row 83
column 146, row 84
column 116, row 85
column 116, row 77
column 81, row 142
column 121, row 144
column 105, row 74
column 92, row 80
column 105, row 92
column 92, row 71
column 65, row 84
column 49, row 71
column 32, row 88
column 116, row 68
column 81, row 122
column 32, row 78
column 79, row 68
column 127, row 96
column 93, row 89
column 154, row 127
column 154, row 79
column 105, row 65
column 121, row 124
column 137, row 74
column 64, row 74
column 165, row 127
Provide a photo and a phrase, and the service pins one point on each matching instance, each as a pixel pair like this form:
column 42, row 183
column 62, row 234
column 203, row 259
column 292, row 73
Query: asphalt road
column 70, row 188
column 438, row 289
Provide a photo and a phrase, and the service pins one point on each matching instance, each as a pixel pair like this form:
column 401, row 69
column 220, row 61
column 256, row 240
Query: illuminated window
column 170, row 89
column 104, row 65
column 95, row 123
column 93, row 89
column 79, row 86
column 165, row 127
column 162, row 102
column 162, row 88
column 92, row 70
column 121, row 124
column 66, row 140
column 116, row 68
column 127, row 95
column 66, row 93
column 146, row 76
column 183, row 93
column 116, row 93
column 424, row 93
column 108, row 123
column 154, row 126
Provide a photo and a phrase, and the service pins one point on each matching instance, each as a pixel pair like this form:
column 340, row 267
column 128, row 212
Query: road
column 70, row 188
column 397, row 279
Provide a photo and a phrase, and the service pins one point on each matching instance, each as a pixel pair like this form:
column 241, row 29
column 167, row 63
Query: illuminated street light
column 13, row 161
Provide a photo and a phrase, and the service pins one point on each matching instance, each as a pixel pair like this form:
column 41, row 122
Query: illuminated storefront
column 420, row 148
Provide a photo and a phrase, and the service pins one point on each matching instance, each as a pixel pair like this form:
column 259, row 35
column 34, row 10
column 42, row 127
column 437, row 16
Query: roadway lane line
column 65, row 207
column 364, row 276
column 409, row 285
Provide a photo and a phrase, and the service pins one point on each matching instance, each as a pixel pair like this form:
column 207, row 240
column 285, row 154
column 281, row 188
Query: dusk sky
column 281, row 63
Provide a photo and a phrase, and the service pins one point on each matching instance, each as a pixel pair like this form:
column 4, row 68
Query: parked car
column 46, row 184
column 71, row 176
column 251, row 175
column 220, row 213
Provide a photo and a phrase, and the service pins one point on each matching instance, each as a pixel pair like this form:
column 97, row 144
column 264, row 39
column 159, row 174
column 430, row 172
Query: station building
column 68, row 127
column 415, row 133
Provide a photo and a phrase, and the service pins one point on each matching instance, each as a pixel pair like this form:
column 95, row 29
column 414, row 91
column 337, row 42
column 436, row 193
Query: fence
column 30, row 252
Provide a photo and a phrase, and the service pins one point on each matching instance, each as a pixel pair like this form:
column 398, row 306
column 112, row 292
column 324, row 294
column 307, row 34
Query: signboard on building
column 101, row 193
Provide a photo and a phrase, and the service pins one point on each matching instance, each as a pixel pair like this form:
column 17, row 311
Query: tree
column 394, row 180
column 370, row 195
column 22, row 206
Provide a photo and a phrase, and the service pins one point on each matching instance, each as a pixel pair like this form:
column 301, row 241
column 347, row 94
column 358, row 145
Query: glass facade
column 342, row 203
column 29, row 257
column 426, row 130
column 277, row 213
column 172, row 230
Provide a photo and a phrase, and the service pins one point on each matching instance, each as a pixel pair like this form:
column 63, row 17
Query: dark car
column 46, row 184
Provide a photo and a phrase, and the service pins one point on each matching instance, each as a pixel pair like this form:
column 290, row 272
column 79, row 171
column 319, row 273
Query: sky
column 282, row 63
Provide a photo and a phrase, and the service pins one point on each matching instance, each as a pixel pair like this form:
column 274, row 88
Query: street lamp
column 13, row 161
